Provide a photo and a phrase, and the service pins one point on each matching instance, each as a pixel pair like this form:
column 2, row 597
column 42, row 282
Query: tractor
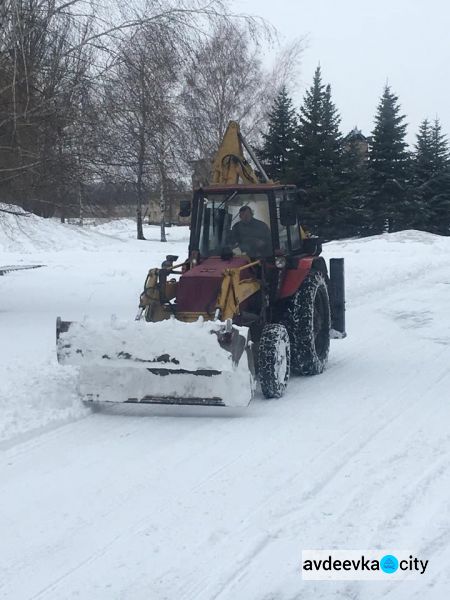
column 253, row 300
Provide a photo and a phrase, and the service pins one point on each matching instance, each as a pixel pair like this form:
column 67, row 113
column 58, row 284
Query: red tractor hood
column 198, row 288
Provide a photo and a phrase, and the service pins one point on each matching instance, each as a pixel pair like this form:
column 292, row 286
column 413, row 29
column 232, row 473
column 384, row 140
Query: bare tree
column 44, row 66
column 49, row 51
column 223, row 81
column 226, row 80
column 167, row 152
column 88, row 89
column 139, row 112
column 285, row 70
column 143, row 100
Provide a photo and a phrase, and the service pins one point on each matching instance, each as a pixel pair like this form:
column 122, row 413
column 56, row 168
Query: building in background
column 359, row 141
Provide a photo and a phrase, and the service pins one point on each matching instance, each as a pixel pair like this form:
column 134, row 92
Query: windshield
column 238, row 222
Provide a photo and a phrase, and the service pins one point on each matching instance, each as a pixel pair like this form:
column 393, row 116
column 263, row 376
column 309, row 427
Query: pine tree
column 318, row 160
column 431, row 169
column 389, row 162
column 432, row 152
column 309, row 138
column 440, row 147
column 331, row 135
column 423, row 159
column 279, row 140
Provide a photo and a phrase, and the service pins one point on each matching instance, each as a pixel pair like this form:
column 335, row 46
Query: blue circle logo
column 389, row 563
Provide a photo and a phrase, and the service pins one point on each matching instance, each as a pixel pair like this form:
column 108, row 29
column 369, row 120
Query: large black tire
column 308, row 321
column 274, row 360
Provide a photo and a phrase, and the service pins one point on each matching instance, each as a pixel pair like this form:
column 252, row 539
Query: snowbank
column 27, row 233
column 383, row 262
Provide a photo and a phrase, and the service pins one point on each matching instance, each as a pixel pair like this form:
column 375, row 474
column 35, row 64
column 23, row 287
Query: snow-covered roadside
column 87, row 272
column 382, row 263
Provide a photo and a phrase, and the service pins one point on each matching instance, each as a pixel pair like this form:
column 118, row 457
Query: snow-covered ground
column 156, row 503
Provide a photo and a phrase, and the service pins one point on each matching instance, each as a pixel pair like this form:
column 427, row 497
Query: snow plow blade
column 206, row 363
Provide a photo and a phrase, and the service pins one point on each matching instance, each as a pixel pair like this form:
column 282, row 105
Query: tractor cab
column 260, row 221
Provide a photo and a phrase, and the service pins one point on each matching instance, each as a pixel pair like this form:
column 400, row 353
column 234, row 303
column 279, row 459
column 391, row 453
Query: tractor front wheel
column 274, row 360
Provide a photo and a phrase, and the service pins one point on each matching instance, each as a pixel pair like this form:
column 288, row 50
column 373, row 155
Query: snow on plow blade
column 170, row 362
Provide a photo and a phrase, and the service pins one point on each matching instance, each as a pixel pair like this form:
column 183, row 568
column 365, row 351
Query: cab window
column 289, row 237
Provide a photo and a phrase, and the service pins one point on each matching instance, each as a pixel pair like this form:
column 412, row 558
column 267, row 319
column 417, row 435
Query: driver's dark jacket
column 252, row 237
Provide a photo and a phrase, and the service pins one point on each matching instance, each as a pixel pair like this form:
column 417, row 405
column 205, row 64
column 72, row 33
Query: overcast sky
column 361, row 44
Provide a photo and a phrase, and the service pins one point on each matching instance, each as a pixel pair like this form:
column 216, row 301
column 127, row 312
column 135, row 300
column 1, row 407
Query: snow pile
column 169, row 343
column 35, row 396
column 383, row 263
column 120, row 360
column 26, row 233
column 29, row 233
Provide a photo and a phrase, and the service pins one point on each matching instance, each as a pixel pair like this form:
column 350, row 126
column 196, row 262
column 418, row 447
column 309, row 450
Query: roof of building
column 356, row 134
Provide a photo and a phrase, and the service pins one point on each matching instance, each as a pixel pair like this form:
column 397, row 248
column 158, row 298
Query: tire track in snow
column 387, row 423
column 242, row 567
column 89, row 559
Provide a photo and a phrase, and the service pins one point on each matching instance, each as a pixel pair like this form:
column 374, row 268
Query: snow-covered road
column 144, row 503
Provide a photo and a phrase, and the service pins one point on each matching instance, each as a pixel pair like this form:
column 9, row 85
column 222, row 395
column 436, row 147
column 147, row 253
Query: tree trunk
column 162, row 200
column 162, row 208
column 80, row 203
column 140, row 230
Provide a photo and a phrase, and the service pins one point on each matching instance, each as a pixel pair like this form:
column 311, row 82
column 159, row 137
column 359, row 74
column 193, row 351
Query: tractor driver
column 251, row 235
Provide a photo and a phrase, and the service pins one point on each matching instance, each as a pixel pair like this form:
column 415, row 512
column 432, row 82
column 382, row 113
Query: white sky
column 361, row 44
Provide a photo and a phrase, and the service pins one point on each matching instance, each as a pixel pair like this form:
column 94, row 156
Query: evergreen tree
column 431, row 169
column 309, row 134
column 279, row 139
column 389, row 162
column 440, row 148
column 317, row 161
column 331, row 135
column 423, row 159
column 432, row 152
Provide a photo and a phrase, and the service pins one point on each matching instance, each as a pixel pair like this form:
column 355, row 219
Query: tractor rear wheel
column 274, row 360
column 308, row 321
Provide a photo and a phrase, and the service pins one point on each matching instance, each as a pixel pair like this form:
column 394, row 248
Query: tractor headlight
column 193, row 258
column 280, row 262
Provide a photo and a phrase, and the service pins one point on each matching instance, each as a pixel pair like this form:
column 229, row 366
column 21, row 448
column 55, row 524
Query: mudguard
column 294, row 278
